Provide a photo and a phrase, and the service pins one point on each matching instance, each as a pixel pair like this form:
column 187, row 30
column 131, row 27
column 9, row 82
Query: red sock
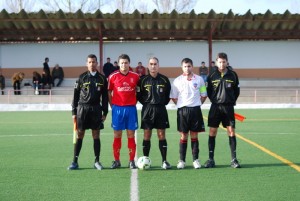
column 131, row 148
column 117, row 147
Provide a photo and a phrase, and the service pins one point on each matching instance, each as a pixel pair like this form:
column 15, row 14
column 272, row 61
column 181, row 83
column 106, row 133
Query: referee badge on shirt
column 98, row 86
column 228, row 85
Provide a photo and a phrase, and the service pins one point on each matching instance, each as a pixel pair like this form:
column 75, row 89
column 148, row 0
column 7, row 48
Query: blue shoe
column 73, row 166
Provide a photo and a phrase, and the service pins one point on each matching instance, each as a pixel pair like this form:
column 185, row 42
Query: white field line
column 134, row 188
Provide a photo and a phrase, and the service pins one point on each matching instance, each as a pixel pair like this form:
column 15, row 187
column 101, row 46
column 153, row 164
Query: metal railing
column 272, row 95
column 46, row 96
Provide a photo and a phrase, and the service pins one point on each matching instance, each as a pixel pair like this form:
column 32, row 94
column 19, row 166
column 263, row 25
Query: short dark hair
column 154, row 58
column 187, row 60
column 222, row 55
column 92, row 56
column 124, row 56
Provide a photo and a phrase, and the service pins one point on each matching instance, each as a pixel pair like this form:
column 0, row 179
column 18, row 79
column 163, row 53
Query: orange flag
column 239, row 117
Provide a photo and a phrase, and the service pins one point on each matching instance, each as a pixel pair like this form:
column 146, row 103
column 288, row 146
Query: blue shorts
column 124, row 117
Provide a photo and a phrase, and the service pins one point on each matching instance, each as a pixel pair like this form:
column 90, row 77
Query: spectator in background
column 46, row 66
column 46, row 83
column 108, row 68
column 2, row 83
column 229, row 67
column 57, row 73
column 140, row 69
column 36, row 82
column 203, row 71
column 117, row 67
column 17, row 79
column 212, row 67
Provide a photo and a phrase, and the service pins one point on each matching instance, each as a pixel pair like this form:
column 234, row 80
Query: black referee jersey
column 223, row 89
column 90, row 90
column 154, row 90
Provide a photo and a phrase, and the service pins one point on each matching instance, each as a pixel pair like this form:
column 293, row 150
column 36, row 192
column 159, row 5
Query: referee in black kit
column 223, row 91
column 90, row 90
column 153, row 92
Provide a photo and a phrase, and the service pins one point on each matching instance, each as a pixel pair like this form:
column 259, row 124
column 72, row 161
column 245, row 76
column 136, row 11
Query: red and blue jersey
column 123, row 88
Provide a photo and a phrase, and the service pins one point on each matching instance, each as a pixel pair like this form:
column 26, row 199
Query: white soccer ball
column 144, row 162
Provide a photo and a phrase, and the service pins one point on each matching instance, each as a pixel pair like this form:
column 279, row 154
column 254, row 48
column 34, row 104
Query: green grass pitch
column 36, row 149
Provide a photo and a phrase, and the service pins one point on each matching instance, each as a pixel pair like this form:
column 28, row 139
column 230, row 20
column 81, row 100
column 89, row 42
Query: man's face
column 91, row 63
column 153, row 66
column 222, row 64
column 187, row 68
column 124, row 65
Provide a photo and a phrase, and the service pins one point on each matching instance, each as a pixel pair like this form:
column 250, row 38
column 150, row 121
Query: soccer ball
column 144, row 162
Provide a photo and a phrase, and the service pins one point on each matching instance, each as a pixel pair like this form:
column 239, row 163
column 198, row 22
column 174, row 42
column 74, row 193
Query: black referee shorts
column 190, row 119
column 154, row 116
column 221, row 113
column 89, row 117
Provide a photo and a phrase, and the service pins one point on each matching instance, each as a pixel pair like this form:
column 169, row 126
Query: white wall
column 242, row 54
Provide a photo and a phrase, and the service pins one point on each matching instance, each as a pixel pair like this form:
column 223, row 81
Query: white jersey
column 188, row 92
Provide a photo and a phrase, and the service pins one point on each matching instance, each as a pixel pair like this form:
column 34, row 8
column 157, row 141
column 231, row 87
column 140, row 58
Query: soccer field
column 36, row 149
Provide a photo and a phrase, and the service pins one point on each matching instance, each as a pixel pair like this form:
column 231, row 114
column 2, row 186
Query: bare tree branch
column 17, row 5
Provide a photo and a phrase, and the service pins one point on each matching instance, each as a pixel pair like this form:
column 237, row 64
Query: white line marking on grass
column 134, row 188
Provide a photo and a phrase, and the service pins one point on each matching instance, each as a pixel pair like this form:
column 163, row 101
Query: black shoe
column 166, row 165
column 73, row 166
column 115, row 164
column 235, row 163
column 132, row 165
column 210, row 163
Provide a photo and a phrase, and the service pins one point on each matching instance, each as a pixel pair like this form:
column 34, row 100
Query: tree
column 181, row 6
column 73, row 5
column 16, row 6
